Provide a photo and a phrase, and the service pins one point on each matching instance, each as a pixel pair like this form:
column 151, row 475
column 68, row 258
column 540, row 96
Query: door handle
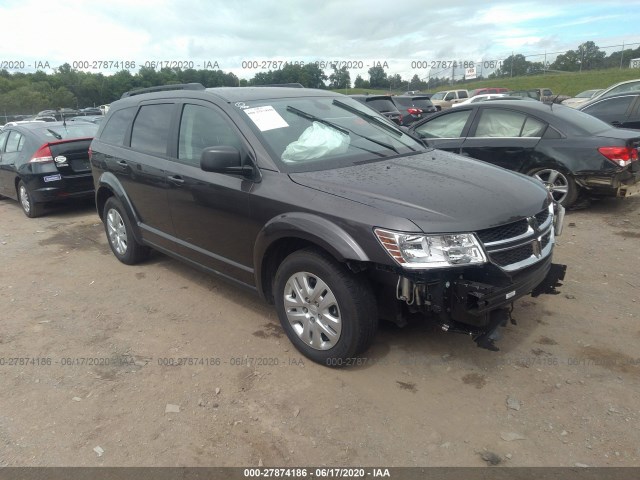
column 123, row 163
column 176, row 180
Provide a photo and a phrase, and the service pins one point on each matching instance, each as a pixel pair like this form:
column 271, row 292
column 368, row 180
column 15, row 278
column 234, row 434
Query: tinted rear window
column 422, row 103
column 382, row 105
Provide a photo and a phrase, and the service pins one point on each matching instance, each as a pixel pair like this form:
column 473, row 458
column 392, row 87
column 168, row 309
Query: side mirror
column 224, row 159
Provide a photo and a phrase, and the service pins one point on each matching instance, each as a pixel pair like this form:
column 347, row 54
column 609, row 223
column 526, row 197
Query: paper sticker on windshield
column 266, row 118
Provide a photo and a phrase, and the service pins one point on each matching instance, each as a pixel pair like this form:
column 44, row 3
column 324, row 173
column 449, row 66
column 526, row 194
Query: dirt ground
column 86, row 346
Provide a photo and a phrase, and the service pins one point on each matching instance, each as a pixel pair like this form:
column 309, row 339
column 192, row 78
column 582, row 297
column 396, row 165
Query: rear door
column 13, row 143
column 4, row 174
column 137, row 155
column 504, row 137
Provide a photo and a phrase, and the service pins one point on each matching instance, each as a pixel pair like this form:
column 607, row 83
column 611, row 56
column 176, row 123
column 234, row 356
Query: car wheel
column 30, row 208
column 328, row 312
column 120, row 234
column 562, row 186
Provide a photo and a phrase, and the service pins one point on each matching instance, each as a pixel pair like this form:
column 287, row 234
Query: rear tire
column 328, row 312
column 30, row 208
column 117, row 225
column 562, row 186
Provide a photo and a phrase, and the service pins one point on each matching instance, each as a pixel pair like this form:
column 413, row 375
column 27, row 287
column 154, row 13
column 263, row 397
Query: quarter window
column 3, row 138
column 202, row 127
column 151, row 129
column 116, row 128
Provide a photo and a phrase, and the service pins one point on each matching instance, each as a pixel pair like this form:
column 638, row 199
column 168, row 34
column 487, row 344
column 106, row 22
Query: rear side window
column 116, row 128
column 506, row 123
column 151, row 129
column 462, row 94
column 15, row 142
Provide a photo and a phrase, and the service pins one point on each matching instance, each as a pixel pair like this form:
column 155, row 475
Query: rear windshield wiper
column 367, row 116
column 54, row 133
column 346, row 131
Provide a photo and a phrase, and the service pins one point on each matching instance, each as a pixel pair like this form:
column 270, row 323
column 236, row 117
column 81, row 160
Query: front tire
column 30, row 208
column 117, row 225
column 562, row 186
column 328, row 312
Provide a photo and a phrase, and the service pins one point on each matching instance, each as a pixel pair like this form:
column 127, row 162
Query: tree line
column 29, row 93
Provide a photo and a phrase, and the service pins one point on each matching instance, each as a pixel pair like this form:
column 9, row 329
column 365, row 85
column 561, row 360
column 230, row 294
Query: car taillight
column 621, row 156
column 42, row 155
column 414, row 111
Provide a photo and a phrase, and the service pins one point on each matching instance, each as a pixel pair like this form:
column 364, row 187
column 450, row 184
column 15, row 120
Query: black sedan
column 566, row 149
column 619, row 110
column 45, row 162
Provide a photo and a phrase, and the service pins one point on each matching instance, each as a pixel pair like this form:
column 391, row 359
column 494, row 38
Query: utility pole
column 621, row 54
column 511, row 63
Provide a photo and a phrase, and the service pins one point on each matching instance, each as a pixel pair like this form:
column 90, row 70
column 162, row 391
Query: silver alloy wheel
column 24, row 199
column 556, row 182
column 312, row 310
column 117, row 231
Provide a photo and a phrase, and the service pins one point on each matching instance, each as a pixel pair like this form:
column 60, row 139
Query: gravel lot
column 87, row 346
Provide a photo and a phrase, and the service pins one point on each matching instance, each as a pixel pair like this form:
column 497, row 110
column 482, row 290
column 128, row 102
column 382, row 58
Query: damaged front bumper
column 474, row 300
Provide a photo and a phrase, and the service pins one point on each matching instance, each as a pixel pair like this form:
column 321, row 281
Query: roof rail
column 290, row 85
column 162, row 88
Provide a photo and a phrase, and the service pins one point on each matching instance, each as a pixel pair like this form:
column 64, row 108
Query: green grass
column 560, row 83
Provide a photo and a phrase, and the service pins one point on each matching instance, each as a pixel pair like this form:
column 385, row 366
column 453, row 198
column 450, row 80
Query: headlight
column 412, row 250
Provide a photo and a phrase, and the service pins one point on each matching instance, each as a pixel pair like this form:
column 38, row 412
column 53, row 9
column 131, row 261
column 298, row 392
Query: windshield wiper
column 313, row 118
column 346, row 131
column 55, row 134
column 367, row 116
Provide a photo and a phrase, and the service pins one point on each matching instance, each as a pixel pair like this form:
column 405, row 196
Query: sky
column 237, row 36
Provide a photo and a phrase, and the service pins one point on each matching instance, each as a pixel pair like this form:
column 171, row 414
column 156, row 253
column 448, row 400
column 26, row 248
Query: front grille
column 515, row 245
column 515, row 255
column 503, row 232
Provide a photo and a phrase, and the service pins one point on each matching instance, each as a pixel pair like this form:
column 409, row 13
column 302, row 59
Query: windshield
column 584, row 123
column 438, row 96
column 84, row 130
column 587, row 94
column 318, row 133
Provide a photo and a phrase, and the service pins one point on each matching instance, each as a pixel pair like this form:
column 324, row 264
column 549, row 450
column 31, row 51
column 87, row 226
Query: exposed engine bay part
column 478, row 309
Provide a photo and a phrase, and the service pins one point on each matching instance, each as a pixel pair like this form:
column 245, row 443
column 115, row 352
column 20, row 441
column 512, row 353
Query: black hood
column 438, row 191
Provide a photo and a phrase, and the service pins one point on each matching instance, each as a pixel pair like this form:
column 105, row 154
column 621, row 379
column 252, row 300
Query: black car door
column 445, row 131
column 12, row 142
column 504, row 137
column 210, row 211
column 143, row 172
column 4, row 173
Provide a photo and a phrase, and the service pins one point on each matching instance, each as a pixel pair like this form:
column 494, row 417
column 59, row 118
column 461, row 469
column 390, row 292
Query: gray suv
column 325, row 209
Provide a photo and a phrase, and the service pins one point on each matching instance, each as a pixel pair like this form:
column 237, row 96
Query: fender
column 305, row 226
column 108, row 181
